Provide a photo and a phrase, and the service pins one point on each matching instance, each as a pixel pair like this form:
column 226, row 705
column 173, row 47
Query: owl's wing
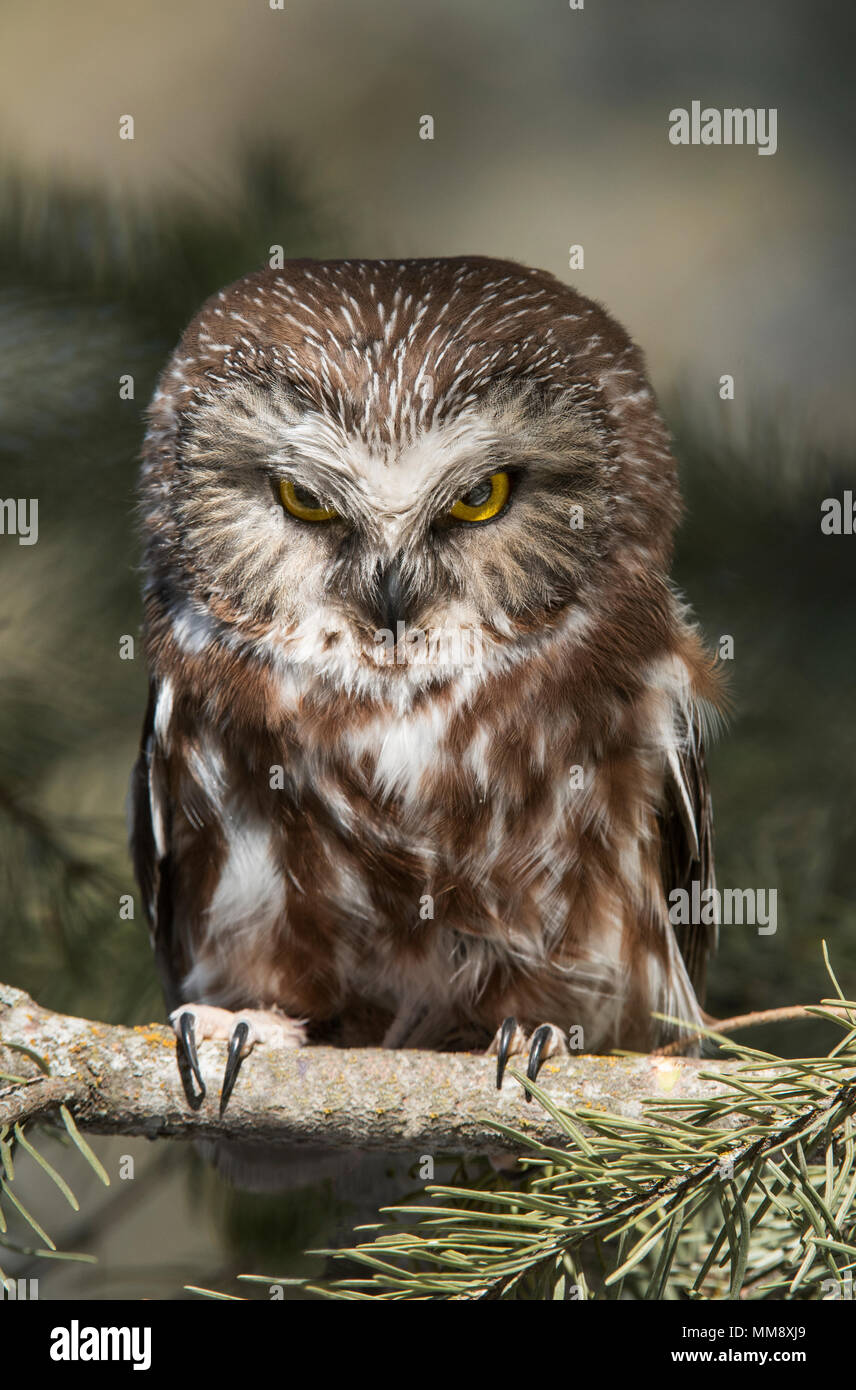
column 150, row 838
column 687, row 846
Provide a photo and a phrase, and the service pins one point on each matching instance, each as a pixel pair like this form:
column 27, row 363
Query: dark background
column 300, row 127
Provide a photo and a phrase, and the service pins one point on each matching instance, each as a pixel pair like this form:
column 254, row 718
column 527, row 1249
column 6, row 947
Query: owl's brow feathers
column 249, row 426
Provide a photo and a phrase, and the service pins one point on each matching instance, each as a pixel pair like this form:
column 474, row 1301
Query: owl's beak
column 390, row 595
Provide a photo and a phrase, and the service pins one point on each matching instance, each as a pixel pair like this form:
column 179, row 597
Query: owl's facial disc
column 302, row 527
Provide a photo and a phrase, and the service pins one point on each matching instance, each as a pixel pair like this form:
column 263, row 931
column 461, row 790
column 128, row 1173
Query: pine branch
column 750, row 1193
column 770, row 1215
column 756, row 1019
column 730, row 1179
column 126, row 1080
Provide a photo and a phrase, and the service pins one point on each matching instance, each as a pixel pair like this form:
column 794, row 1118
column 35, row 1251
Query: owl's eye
column 484, row 501
column 303, row 504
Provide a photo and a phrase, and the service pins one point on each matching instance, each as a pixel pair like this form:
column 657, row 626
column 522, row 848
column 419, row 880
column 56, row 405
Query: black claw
column 233, row 1062
column 506, row 1033
column 188, row 1041
column 537, row 1043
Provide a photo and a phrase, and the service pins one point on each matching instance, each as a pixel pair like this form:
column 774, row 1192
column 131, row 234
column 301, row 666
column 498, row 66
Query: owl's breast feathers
column 415, row 874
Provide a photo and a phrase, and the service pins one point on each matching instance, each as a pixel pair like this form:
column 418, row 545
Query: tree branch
column 119, row 1080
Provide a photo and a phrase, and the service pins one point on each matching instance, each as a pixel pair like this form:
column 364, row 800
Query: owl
column 423, row 758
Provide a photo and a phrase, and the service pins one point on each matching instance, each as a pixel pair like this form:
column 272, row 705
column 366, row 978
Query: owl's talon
column 540, row 1038
column 195, row 1023
column 506, row 1033
column 233, row 1062
column 187, row 1033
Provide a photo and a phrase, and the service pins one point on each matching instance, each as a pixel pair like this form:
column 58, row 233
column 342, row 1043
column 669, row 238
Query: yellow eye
column 484, row 501
column 303, row 504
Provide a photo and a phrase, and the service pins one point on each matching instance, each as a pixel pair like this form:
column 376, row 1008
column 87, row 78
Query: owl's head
column 387, row 470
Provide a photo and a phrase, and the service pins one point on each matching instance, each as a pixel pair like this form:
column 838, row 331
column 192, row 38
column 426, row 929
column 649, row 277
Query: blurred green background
column 300, row 127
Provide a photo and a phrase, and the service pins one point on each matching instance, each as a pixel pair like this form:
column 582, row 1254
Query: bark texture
column 118, row 1080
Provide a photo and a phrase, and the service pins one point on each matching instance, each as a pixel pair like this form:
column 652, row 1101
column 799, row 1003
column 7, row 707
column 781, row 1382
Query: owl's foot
column 195, row 1022
column 510, row 1039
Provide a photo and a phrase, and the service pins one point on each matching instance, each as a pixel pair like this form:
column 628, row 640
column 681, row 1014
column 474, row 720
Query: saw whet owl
column 423, row 755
